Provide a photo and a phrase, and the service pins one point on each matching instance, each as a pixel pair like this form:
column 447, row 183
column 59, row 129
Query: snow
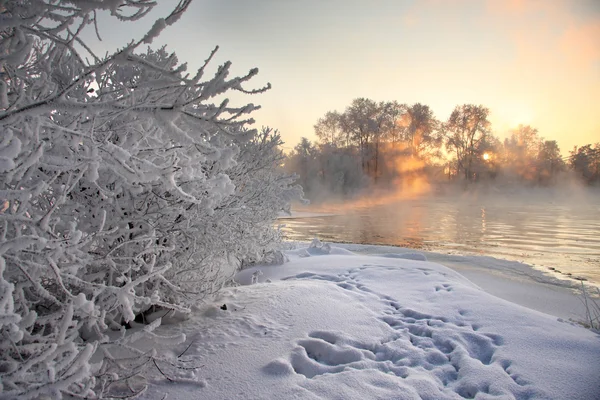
column 510, row 280
column 333, row 324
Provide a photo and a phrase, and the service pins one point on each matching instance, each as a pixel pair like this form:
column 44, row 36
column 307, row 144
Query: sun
column 486, row 156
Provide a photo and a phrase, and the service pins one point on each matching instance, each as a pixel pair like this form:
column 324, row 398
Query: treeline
column 388, row 144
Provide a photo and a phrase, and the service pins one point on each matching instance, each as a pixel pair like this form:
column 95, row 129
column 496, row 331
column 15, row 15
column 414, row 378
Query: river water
column 558, row 234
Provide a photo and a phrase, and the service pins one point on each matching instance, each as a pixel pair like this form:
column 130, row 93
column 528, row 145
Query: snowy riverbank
column 517, row 282
column 334, row 324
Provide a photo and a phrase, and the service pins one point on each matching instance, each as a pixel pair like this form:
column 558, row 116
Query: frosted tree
column 421, row 131
column 466, row 128
column 123, row 187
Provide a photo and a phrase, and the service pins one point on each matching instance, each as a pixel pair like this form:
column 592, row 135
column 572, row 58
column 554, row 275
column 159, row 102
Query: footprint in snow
column 444, row 287
column 459, row 359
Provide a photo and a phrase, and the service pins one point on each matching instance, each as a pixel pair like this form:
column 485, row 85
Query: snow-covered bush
column 122, row 187
column 238, row 227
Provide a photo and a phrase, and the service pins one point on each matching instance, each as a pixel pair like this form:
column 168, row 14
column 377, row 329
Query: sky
column 529, row 62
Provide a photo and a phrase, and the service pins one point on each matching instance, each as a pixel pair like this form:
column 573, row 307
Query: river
column 556, row 233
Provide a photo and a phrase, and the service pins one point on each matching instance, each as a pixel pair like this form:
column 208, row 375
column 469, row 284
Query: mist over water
column 547, row 228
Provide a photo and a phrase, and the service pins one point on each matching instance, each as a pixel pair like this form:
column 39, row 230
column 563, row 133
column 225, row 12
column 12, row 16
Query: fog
column 556, row 229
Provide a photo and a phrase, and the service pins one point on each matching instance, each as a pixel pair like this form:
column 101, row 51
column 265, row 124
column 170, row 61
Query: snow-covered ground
column 332, row 324
column 514, row 281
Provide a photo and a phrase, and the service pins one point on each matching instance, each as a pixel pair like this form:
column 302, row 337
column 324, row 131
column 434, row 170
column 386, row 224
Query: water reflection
column 483, row 220
column 543, row 233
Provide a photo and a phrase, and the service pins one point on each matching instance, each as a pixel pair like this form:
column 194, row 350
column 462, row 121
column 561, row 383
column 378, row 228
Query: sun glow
column 486, row 156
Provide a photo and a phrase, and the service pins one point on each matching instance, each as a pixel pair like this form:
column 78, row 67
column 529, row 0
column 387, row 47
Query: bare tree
column 466, row 127
column 328, row 130
column 549, row 162
column 422, row 131
column 521, row 150
column 585, row 161
column 357, row 123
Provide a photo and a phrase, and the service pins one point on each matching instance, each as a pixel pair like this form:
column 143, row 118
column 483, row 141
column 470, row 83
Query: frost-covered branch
column 123, row 189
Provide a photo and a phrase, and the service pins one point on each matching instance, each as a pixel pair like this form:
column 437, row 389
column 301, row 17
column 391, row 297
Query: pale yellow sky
column 530, row 62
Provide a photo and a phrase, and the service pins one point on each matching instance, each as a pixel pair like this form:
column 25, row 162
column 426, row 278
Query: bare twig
column 160, row 370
